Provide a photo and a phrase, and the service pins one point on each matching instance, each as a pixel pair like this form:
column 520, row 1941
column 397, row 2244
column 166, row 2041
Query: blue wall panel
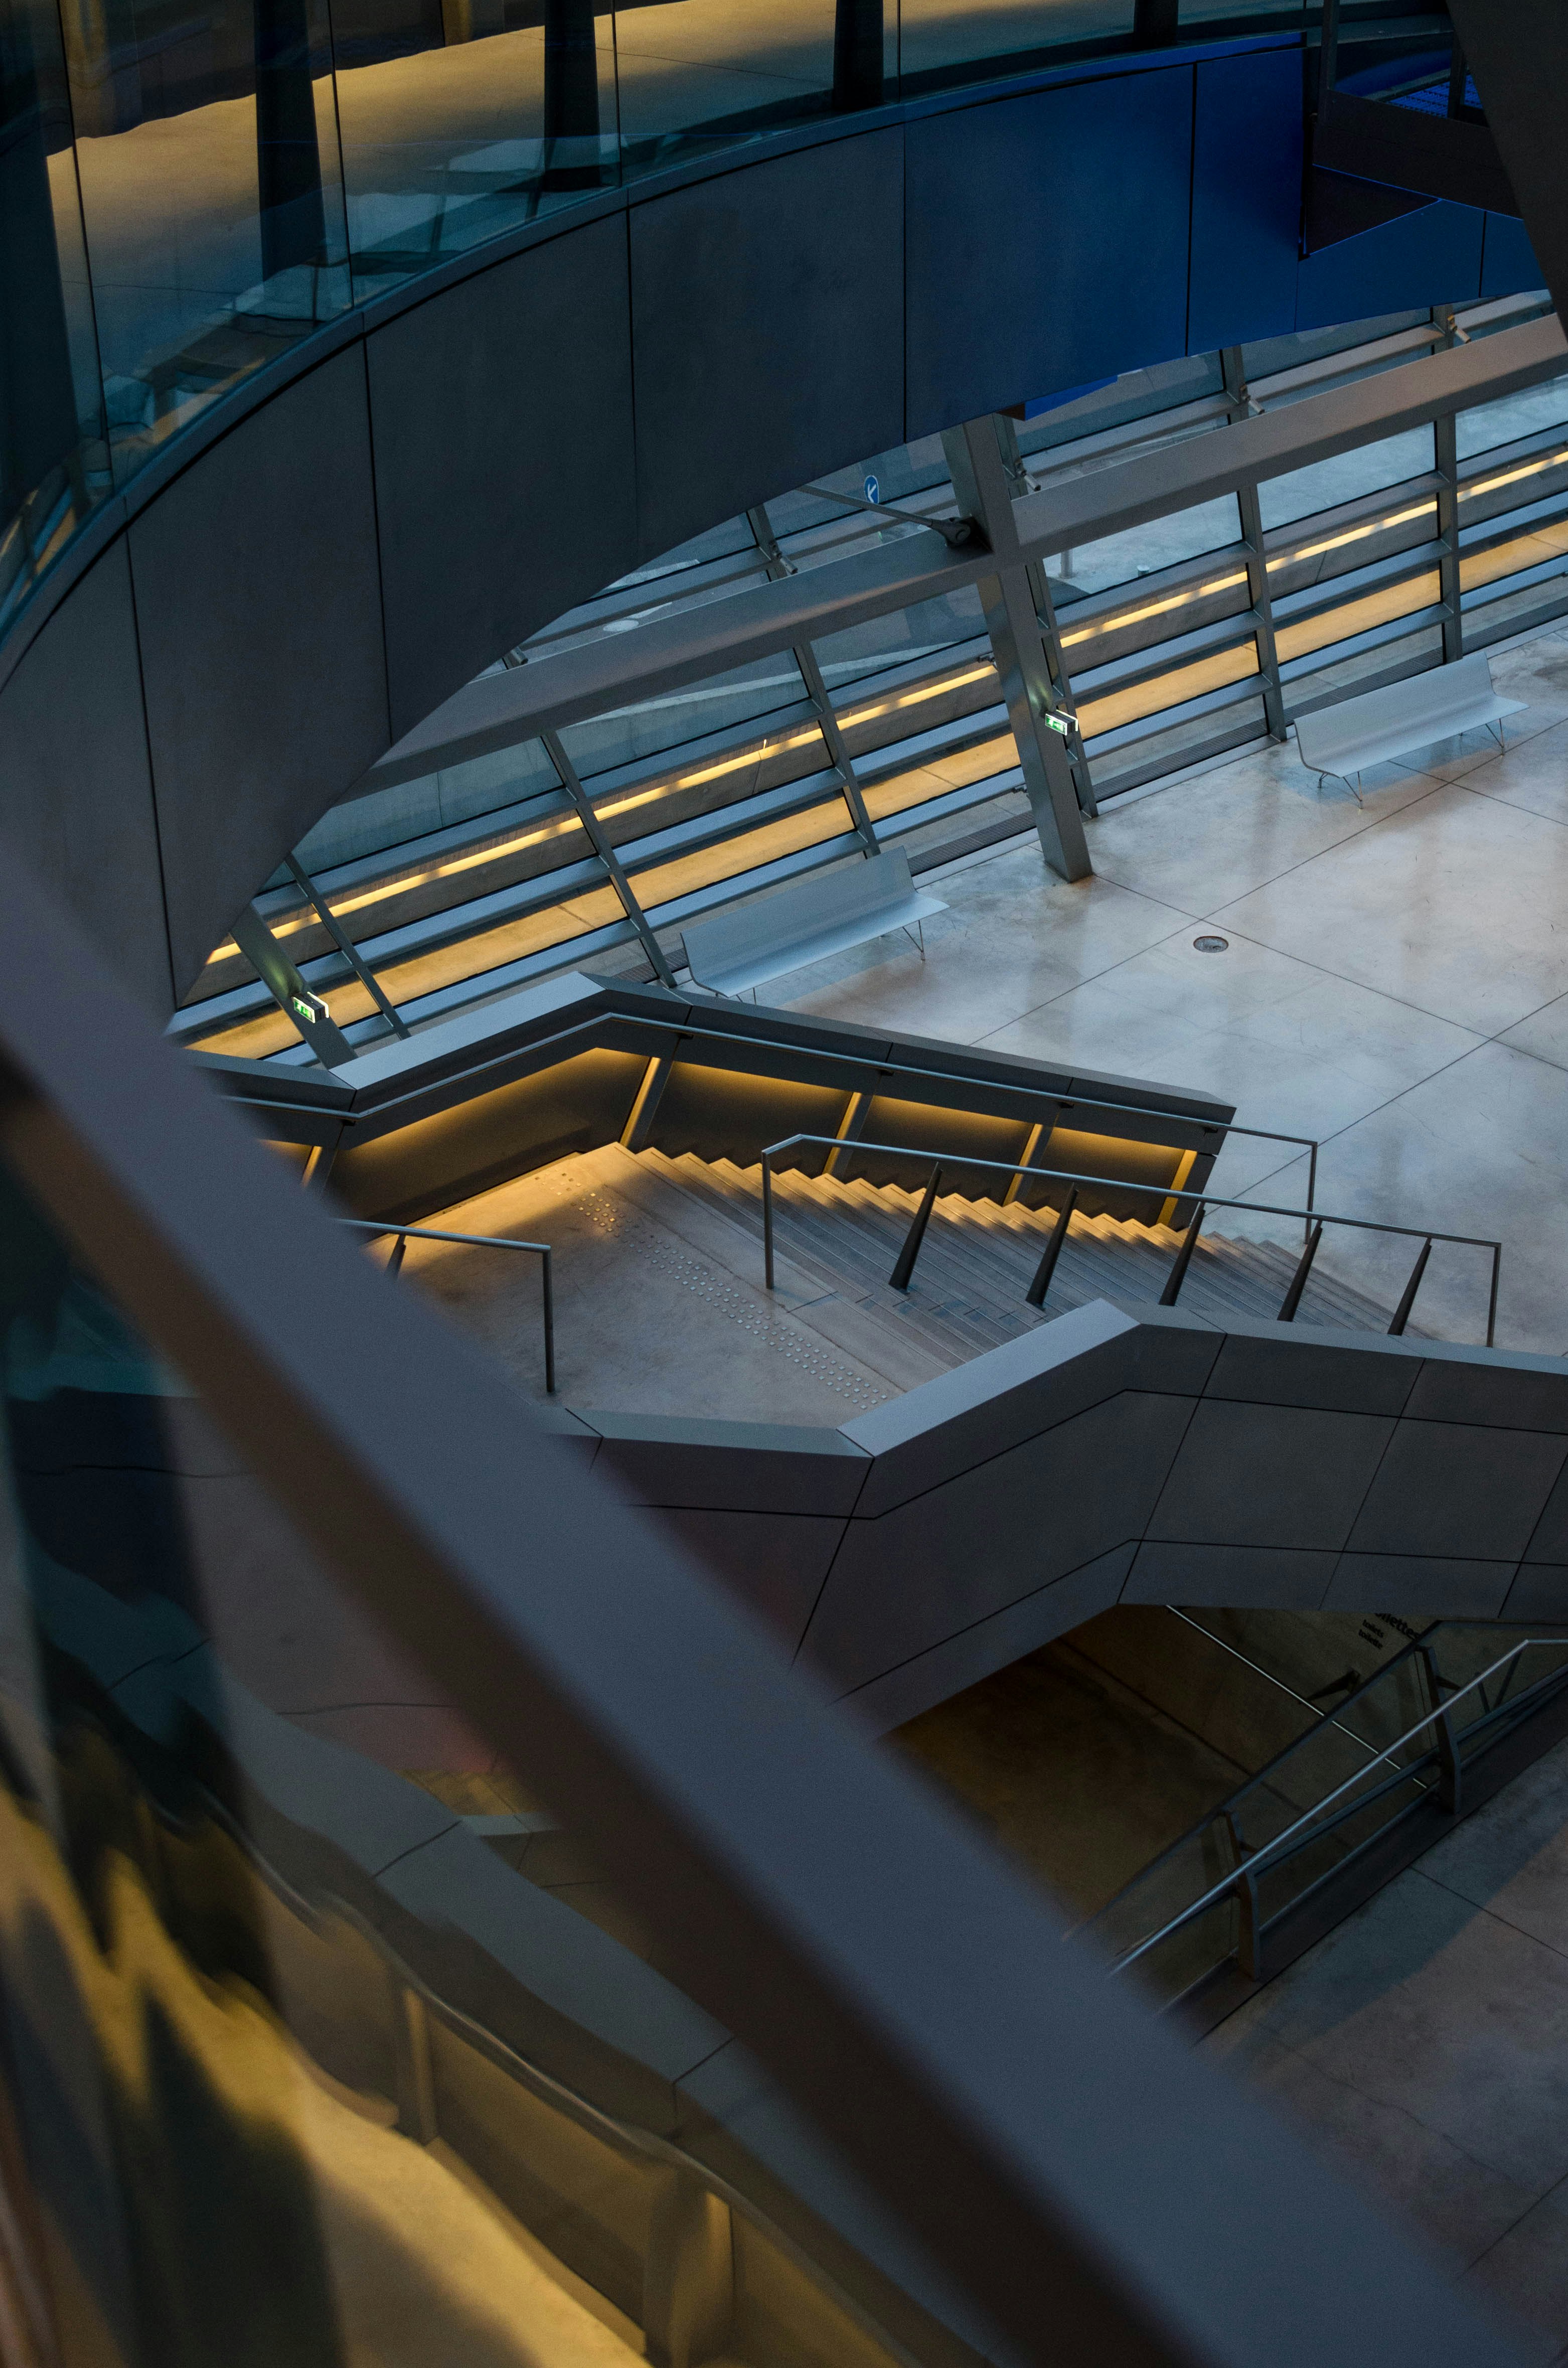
column 1431, row 257
column 1046, row 241
column 1246, row 199
column 1509, row 263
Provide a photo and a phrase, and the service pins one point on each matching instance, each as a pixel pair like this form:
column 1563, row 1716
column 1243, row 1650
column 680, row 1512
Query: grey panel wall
column 258, row 605
column 503, row 452
column 1090, row 184
column 768, row 323
column 1106, row 1457
column 75, row 791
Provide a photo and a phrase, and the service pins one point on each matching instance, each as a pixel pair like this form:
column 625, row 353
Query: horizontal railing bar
column 1131, row 1184
column 430, row 1234
column 1267, row 1849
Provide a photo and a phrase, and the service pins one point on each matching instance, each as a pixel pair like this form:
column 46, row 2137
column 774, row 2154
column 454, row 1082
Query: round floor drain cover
column 1212, row 945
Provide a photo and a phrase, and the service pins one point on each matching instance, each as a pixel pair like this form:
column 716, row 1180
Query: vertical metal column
column 805, row 658
column 551, row 742
column 974, row 458
column 1447, row 460
column 1045, row 610
column 1241, row 405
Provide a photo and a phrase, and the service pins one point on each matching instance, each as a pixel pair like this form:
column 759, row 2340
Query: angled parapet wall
column 416, row 1126
column 1124, row 1458
column 1108, row 1457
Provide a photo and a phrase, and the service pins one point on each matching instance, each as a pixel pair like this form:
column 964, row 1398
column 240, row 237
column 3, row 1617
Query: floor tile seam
column 1093, row 977
column 1484, row 1908
column 1534, row 2205
column 1493, row 800
column 1372, row 822
column 1400, row 1002
column 1393, row 2105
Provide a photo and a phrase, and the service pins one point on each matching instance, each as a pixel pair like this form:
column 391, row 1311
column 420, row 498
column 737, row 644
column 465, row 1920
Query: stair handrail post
column 768, row 1219
column 549, row 1324
column 1402, row 1313
column 1311, row 1188
column 1448, row 1742
column 1298, row 1282
column 1183, row 1259
column 1035, row 1295
column 1249, row 1926
column 1492, row 1297
column 904, row 1266
column 394, row 1263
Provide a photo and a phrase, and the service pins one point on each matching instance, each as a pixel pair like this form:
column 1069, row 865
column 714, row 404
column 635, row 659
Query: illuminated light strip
column 914, row 698
column 1155, row 609
column 229, row 952
column 1512, row 476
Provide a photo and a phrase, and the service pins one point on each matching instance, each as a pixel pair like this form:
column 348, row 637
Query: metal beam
column 599, row 840
column 974, row 458
column 1243, row 407
column 303, row 1008
column 1100, row 2193
column 499, row 711
column 1519, row 55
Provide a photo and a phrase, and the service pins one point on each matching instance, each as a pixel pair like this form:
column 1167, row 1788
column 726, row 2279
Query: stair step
column 977, row 1260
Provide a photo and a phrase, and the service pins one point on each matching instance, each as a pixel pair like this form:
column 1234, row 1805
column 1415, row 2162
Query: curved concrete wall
column 311, row 569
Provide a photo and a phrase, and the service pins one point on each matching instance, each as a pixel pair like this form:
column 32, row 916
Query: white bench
column 1340, row 742
column 820, row 915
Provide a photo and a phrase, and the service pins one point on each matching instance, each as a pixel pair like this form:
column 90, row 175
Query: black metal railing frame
column 1313, row 1220
column 1444, row 1756
column 406, row 1234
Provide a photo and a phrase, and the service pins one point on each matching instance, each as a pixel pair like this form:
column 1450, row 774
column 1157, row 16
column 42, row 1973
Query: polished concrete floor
column 1396, row 985
column 1424, row 2046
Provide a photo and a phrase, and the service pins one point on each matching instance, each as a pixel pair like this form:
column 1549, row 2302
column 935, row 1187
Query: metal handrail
column 406, row 1234
column 1204, row 1200
column 1227, row 1884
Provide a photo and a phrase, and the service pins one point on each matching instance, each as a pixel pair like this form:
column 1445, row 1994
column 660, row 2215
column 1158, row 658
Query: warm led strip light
column 401, row 885
column 564, row 824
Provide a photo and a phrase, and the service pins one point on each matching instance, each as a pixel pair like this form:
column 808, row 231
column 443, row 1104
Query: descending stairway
column 977, row 1258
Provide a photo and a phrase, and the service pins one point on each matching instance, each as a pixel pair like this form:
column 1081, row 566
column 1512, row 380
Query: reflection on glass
column 456, row 128
column 935, row 36
column 54, row 463
column 1144, row 550
column 696, row 74
column 1326, row 483
column 211, row 193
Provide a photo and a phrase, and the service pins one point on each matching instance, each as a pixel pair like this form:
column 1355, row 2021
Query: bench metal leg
column 916, row 936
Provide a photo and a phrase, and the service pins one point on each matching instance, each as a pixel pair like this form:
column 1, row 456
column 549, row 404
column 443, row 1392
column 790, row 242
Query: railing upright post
column 1298, row 1282
column 548, row 1325
column 1035, row 1295
column 1311, row 1186
column 1402, row 1313
column 767, row 1221
column 1491, row 1302
column 1182, row 1260
column 395, row 1261
column 1249, row 1927
column 1449, row 1778
column 904, row 1265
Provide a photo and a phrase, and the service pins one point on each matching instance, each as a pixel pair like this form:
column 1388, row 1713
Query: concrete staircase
column 977, row 1258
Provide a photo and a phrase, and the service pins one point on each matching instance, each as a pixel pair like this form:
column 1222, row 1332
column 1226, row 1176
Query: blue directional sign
column 873, row 491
